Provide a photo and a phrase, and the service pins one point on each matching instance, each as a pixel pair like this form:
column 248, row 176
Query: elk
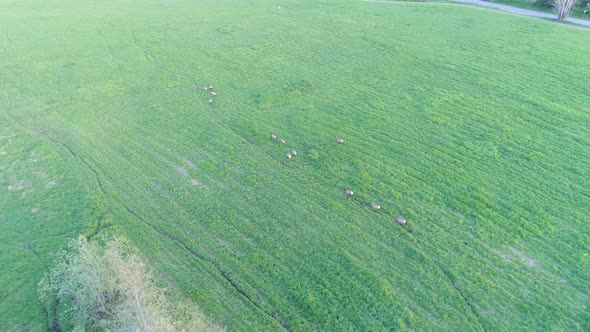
column 283, row 141
column 376, row 206
column 348, row 193
column 339, row 140
column 400, row 220
column 294, row 152
column 210, row 87
column 210, row 100
column 273, row 136
column 289, row 156
column 213, row 93
column 204, row 88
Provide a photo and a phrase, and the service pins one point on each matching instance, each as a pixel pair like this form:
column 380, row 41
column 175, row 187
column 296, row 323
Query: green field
column 474, row 125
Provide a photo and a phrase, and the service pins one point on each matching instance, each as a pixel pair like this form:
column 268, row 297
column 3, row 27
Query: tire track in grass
column 211, row 262
column 91, row 168
column 195, row 254
column 51, row 322
column 99, row 227
column 449, row 278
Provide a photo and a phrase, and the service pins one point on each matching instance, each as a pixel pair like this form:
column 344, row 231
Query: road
column 505, row 8
column 521, row 11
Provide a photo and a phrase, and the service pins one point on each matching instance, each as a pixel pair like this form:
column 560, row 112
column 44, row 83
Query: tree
column 109, row 287
column 563, row 8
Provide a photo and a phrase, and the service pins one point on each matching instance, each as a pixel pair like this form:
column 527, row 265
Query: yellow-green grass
column 473, row 125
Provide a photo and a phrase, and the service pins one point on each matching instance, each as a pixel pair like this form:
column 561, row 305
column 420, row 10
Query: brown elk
column 348, row 193
column 339, row 140
column 400, row 220
column 376, row 206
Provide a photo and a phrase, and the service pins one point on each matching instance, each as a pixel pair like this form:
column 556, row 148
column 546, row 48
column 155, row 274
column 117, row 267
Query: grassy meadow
column 473, row 125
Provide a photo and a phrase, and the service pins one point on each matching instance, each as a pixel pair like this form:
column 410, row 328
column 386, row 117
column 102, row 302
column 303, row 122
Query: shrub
column 544, row 3
column 108, row 287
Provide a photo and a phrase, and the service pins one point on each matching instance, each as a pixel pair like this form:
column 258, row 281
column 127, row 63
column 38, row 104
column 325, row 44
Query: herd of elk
column 209, row 88
column 347, row 192
column 290, row 154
